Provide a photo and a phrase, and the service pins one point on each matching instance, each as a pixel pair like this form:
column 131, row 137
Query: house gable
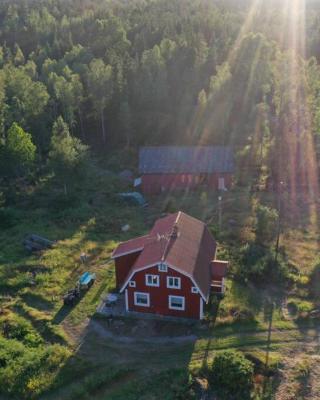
column 173, row 269
column 158, row 296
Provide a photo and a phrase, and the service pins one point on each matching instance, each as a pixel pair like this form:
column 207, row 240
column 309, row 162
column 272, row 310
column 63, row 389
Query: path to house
column 142, row 331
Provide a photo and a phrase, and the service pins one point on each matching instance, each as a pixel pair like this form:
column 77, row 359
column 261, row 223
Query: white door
column 221, row 185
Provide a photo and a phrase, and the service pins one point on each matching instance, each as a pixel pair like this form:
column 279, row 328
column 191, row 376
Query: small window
column 194, row 290
column 176, row 302
column 173, row 282
column 163, row 268
column 152, row 280
column 141, row 299
column 132, row 283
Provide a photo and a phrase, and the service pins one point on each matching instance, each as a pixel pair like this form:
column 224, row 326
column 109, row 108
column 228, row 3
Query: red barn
column 167, row 168
column 172, row 270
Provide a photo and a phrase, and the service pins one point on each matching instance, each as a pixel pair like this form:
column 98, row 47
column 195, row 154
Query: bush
column 232, row 374
column 26, row 373
column 315, row 281
column 266, row 220
column 256, row 263
column 20, row 329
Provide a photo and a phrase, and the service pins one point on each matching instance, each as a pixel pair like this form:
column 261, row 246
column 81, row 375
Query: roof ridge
column 170, row 236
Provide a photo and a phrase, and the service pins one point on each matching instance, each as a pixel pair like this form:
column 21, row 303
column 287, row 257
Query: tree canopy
column 166, row 72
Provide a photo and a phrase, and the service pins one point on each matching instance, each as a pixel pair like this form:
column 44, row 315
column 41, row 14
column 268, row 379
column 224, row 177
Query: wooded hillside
column 158, row 72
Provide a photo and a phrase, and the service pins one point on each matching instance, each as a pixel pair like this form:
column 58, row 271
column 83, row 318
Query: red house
column 172, row 270
column 167, row 168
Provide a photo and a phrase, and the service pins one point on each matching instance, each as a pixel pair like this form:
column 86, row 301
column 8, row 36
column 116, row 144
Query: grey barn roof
column 185, row 159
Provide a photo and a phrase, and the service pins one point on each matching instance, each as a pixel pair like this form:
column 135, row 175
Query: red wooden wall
column 122, row 266
column 155, row 183
column 159, row 296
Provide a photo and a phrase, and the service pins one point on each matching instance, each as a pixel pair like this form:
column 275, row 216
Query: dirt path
column 300, row 375
column 100, row 330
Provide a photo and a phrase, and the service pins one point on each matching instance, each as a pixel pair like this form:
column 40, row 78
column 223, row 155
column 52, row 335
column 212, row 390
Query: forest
column 83, row 85
column 122, row 74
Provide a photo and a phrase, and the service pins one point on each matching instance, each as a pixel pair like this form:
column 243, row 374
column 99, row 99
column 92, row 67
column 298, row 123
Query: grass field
column 55, row 352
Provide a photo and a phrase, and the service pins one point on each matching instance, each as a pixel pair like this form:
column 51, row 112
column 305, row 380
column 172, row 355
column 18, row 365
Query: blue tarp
column 86, row 278
column 134, row 197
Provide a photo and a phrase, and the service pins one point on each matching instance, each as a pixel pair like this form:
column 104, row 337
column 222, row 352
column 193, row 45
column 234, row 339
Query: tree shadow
column 37, row 301
column 212, row 309
column 66, row 309
column 41, row 325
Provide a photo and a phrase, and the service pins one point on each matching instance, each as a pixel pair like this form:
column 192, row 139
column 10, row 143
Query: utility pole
column 275, row 262
column 279, row 222
column 220, row 212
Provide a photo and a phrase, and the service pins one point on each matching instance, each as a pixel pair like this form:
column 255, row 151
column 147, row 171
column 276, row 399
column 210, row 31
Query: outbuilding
column 172, row 270
column 166, row 168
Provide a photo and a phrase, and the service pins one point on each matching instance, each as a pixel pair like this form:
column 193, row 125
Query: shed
column 165, row 168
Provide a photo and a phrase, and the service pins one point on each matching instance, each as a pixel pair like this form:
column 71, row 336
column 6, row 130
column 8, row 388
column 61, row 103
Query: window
column 162, row 268
column 132, row 283
column 141, row 299
column 194, row 290
column 152, row 280
column 176, row 302
column 173, row 282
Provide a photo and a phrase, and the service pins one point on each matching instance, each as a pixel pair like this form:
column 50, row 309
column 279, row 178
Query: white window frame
column 162, row 267
column 173, row 286
column 194, row 289
column 132, row 283
column 157, row 284
column 177, row 308
column 135, row 294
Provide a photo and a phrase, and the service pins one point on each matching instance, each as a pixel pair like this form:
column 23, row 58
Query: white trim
column 223, row 288
column 173, row 286
column 144, row 294
column 201, row 308
column 192, row 280
column 194, row 289
column 164, row 266
column 132, row 273
column 132, row 283
column 126, row 298
column 113, row 257
column 157, row 284
column 169, row 266
column 177, row 308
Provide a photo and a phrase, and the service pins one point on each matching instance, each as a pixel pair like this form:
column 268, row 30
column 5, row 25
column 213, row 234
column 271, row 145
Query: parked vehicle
column 71, row 296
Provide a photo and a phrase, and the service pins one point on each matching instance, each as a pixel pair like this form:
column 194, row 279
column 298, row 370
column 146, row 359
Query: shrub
column 302, row 368
column 266, row 220
column 256, row 263
column 24, row 372
column 315, row 281
column 232, row 374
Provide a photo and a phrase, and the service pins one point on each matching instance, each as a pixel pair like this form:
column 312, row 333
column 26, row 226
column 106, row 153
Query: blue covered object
column 134, row 198
column 86, row 278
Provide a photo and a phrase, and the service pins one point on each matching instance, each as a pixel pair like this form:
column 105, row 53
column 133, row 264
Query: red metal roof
column 181, row 241
column 131, row 246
